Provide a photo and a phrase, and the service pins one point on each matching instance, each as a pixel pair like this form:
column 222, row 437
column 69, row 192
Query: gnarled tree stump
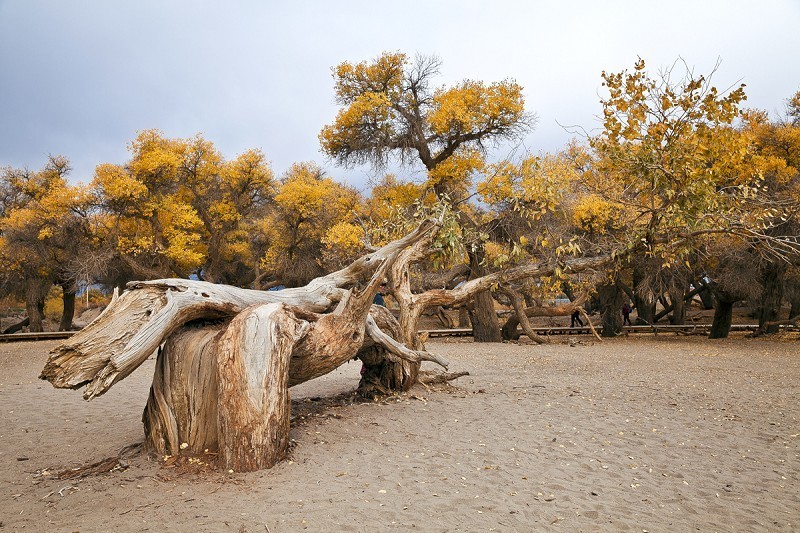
column 227, row 356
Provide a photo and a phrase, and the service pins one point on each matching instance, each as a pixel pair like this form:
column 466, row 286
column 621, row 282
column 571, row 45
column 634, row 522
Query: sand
column 648, row 434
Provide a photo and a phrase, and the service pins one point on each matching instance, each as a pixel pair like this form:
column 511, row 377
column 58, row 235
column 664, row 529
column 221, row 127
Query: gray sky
column 80, row 78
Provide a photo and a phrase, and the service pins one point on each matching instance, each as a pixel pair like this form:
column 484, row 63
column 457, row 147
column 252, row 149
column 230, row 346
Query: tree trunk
column 463, row 317
column 68, row 299
column 645, row 306
column 444, row 318
column 13, row 328
column 771, row 297
column 645, row 311
column 705, row 295
column 485, row 327
column 509, row 329
column 611, row 300
column 182, row 406
column 382, row 371
column 678, row 316
column 253, row 356
column 723, row 317
column 794, row 308
column 223, row 387
column 35, row 293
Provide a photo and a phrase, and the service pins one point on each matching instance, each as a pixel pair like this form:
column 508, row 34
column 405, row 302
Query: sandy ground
column 657, row 434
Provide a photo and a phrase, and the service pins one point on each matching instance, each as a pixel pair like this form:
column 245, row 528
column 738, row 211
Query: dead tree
column 227, row 356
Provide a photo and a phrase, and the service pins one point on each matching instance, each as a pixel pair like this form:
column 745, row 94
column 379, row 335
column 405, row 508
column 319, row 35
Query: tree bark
column 383, row 370
column 678, row 316
column 611, row 300
column 223, row 387
column 35, row 294
column 771, row 297
column 645, row 306
column 794, row 308
column 705, row 295
column 253, row 357
column 412, row 305
column 241, row 350
column 13, row 328
column 463, row 317
column 68, row 299
column 135, row 323
column 510, row 327
column 520, row 317
column 485, row 327
column 723, row 317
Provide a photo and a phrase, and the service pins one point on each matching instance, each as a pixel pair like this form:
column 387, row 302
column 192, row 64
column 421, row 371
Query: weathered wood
column 253, row 362
column 138, row 321
column 182, row 406
column 520, row 317
column 230, row 355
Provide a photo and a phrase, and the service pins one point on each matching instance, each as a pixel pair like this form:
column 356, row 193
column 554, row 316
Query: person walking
column 576, row 318
column 626, row 314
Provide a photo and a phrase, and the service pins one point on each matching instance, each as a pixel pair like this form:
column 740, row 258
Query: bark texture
column 611, row 299
column 723, row 316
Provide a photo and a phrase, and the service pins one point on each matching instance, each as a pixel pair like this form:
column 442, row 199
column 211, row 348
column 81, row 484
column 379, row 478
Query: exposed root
column 104, row 466
column 431, row 378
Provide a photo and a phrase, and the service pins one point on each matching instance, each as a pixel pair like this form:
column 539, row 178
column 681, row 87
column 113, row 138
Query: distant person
column 378, row 300
column 626, row 314
column 576, row 318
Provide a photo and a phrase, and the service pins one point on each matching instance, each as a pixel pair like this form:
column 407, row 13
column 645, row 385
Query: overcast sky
column 80, row 78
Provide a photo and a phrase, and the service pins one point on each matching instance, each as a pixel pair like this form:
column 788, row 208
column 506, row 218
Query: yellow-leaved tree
column 673, row 168
column 43, row 221
column 309, row 229
column 390, row 112
column 179, row 208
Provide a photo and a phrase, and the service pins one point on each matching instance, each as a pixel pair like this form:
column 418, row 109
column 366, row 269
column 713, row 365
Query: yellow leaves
column 345, row 238
column 454, row 174
column 249, row 174
column 155, row 158
column 593, row 214
column 536, row 185
column 182, row 232
column 224, row 212
column 135, row 244
column 497, row 255
column 118, row 185
column 368, row 115
column 304, row 191
column 472, row 107
column 382, row 75
column 392, row 196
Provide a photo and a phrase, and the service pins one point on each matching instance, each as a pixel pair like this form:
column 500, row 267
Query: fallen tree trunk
column 13, row 328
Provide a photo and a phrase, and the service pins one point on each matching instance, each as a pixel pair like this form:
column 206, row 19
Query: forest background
column 682, row 190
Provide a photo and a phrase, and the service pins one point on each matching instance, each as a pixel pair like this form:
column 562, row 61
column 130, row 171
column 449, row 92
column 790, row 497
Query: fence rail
column 584, row 330
column 462, row 332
